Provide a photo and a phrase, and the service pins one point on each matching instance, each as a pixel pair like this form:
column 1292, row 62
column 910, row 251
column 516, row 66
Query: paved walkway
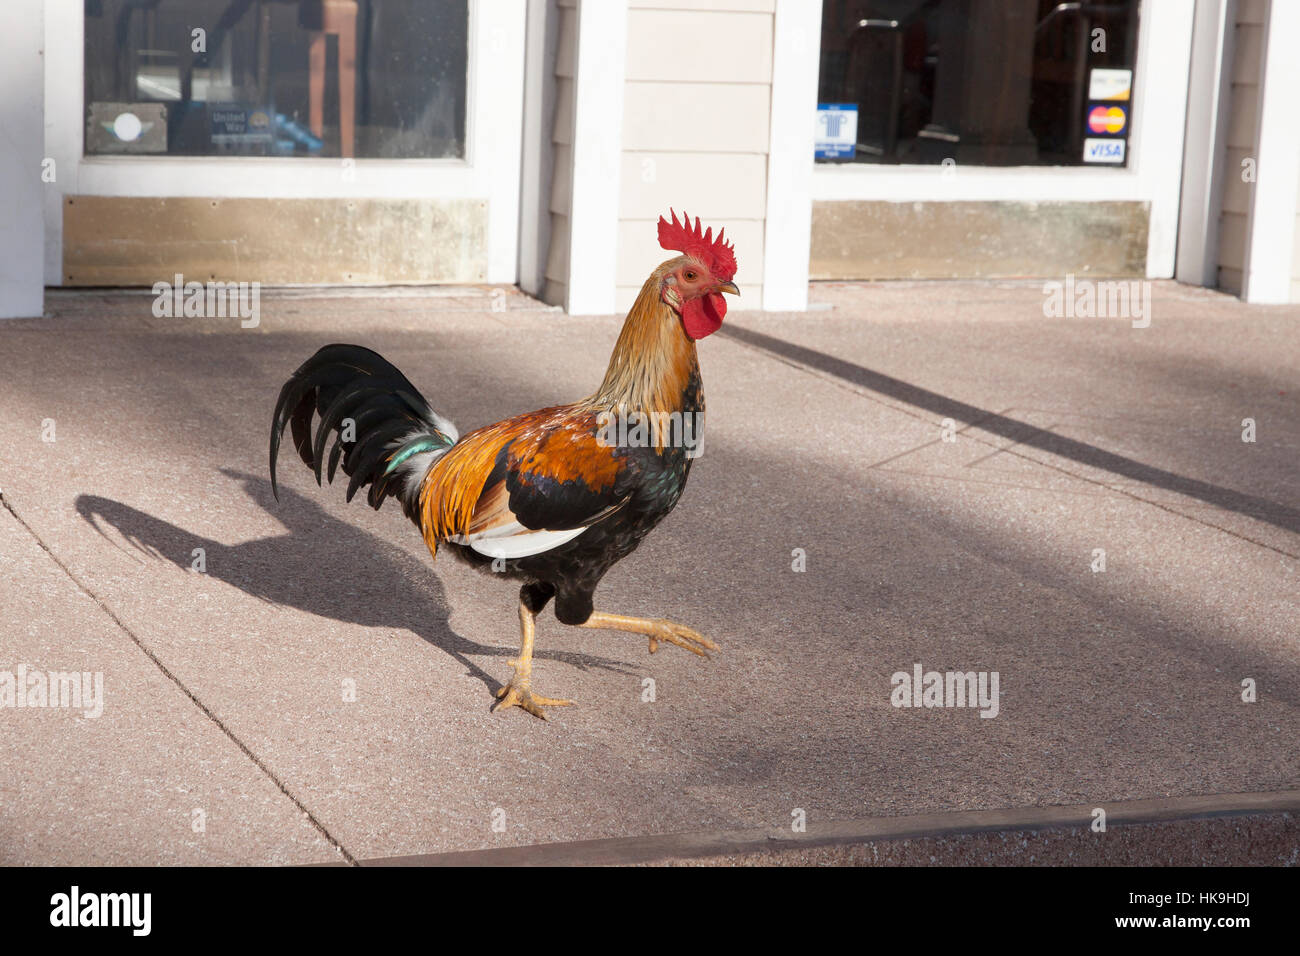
column 225, row 736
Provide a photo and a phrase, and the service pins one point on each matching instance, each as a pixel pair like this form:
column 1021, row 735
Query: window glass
column 981, row 82
column 364, row 78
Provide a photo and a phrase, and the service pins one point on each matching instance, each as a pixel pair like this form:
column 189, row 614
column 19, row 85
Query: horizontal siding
column 1232, row 240
column 671, row 46
column 1241, row 142
column 1249, row 49
column 1236, row 191
column 726, row 186
column 1252, row 11
column 740, row 6
column 1243, row 124
column 562, row 128
column 696, row 117
column 555, row 290
column 566, row 50
column 1230, row 280
column 697, row 102
column 562, row 180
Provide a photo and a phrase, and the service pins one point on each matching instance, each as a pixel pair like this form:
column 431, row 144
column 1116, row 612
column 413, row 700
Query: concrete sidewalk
column 225, row 736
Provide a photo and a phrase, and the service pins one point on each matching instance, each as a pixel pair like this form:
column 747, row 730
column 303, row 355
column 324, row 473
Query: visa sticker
column 1104, row 151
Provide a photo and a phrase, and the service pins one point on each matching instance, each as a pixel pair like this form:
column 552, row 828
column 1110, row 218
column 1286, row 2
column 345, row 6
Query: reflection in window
column 364, row 78
column 983, row 82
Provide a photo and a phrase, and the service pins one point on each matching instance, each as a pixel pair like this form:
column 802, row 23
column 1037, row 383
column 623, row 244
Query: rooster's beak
column 729, row 287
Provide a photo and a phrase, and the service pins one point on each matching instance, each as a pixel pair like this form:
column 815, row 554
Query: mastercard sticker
column 1107, row 120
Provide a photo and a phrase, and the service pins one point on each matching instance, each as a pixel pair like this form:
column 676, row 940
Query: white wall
column 1270, row 245
column 22, row 147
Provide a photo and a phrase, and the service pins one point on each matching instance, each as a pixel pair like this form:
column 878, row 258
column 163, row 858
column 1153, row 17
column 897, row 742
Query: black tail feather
column 358, row 392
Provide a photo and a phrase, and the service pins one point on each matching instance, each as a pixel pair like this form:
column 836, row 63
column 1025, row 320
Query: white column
column 1271, row 236
column 597, row 156
column 538, row 154
column 787, row 240
column 22, row 148
column 1159, row 114
column 497, row 61
column 1208, row 97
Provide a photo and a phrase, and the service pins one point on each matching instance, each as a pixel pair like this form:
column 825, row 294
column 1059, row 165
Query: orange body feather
column 648, row 372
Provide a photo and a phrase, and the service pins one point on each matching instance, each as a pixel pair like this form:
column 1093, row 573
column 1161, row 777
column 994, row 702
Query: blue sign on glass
column 837, row 130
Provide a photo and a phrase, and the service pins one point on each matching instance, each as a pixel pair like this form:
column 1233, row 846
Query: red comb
column 718, row 256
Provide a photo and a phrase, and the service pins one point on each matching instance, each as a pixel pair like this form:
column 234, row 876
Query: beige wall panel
column 562, row 124
column 672, row 46
column 1236, row 191
column 562, row 180
column 751, row 6
column 711, row 185
column 942, row 240
column 696, row 117
column 639, row 251
column 557, row 256
column 109, row 240
column 1229, row 280
column 554, row 293
column 1232, row 240
column 1243, row 124
column 1246, row 53
column 1252, row 11
column 566, row 51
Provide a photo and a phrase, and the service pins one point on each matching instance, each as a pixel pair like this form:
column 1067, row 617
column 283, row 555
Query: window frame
column 490, row 170
column 1155, row 159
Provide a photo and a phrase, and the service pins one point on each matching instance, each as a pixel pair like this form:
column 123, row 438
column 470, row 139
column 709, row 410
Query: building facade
column 375, row 142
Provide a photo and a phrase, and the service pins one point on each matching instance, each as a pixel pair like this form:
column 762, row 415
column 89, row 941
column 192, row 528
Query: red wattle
column 703, row 316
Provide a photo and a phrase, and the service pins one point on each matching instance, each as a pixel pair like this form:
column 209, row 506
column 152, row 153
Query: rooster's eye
column 691, row 276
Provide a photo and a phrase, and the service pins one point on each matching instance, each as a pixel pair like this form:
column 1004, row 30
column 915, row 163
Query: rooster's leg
column 518, row 692
column 656, row 629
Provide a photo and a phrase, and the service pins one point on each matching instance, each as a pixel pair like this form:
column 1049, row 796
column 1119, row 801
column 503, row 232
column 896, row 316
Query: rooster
column 553, row 497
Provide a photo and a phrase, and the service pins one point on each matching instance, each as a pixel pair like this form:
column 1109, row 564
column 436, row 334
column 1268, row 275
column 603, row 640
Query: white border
column 1155, row 145
column 1271, row 239
column 22, row 294
column 787, row 231
column 1208, row 100
column 490, row 171
column 598, row 90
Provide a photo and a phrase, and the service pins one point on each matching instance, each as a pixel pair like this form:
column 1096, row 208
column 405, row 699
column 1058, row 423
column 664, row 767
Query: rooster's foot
column 656, row 630
column 518, row 693
column 682, row 636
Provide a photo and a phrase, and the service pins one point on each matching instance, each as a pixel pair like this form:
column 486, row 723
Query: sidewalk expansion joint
column 166, row 672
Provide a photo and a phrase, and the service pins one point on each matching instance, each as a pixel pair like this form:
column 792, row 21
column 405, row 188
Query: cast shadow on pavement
column 1023, row 433
column 382, row 586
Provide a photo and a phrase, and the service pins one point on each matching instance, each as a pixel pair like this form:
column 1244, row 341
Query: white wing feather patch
column 513, row 540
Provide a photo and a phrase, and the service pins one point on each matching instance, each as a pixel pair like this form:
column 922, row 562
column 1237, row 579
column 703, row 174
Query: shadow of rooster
column 286, row 570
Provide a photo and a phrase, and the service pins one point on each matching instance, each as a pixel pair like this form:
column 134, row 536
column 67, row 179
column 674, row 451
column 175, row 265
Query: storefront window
column 982, row 82
column 374, row 79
